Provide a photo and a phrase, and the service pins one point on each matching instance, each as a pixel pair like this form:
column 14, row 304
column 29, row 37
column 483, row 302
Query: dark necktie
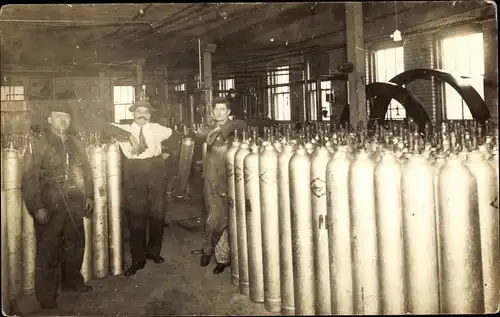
column 142, row 142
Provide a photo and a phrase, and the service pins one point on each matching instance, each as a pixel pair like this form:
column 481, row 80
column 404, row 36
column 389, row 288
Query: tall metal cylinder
column 11, row 170
column 232, row 226
column 100, row 242
column 419, row 227
column 285, row 232
column 203, row 155
column 319, row 160
column 389, row 210
column 461, row 273
column 239, row 183
column 269, row 204
column 113, row 168
column 5, row 246
column 339, row 232
column 364, row 235
column 29, row 252
column 86, row 270
column 253, row 223
column 487, row 191
column 302, row 233
column 439, row 161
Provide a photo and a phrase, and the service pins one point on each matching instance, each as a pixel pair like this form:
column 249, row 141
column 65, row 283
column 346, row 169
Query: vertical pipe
column 307, row 74
column 191, row 110
column 5, row 246
column 319, row 117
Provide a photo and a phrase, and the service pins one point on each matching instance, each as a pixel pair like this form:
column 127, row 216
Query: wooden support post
column 139, row 78
column 356, row 55
column 207, row 78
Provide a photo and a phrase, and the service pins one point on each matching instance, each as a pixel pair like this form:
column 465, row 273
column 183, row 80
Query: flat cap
column 141, row 103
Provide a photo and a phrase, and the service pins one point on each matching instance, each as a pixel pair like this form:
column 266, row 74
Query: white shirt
column 154, row 135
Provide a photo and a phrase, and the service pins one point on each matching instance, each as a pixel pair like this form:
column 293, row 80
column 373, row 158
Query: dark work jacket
column 56, row 170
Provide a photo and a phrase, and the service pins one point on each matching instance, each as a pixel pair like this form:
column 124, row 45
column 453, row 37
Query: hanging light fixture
column 396, row 36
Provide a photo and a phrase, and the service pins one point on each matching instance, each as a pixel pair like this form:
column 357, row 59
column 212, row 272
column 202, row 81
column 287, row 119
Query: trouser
column 60, row 245
column 145, row 202
column 216, row 223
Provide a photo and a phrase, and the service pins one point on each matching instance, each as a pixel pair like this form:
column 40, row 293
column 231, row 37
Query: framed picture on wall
column 41, row 89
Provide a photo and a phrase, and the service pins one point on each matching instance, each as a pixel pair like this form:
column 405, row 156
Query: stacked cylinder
column 399, row 219
column 103, row 253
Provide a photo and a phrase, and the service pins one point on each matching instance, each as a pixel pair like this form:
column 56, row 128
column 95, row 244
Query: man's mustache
column 142, row 117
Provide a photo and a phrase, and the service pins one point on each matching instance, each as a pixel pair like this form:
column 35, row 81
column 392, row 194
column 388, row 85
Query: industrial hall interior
column 271, row 158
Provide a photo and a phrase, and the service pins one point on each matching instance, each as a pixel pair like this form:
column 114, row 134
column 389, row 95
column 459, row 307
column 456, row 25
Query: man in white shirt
column 144, row 185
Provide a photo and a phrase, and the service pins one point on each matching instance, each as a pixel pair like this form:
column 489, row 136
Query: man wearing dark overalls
column 57, row 189
column 144, row 185
column 215, row 187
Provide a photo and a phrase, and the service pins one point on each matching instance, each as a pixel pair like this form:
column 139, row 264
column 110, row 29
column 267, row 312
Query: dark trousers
column 216, row 222
column 60, row 245
column 144, row 186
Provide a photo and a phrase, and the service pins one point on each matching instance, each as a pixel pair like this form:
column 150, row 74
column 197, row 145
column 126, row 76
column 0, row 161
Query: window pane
column 12, row 93
column 463, row 56
column 389, row 63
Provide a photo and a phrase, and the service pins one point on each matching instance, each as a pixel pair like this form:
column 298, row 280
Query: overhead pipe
column 228, row 70
column 288, row 52
column 173, row 19
column 84, row 22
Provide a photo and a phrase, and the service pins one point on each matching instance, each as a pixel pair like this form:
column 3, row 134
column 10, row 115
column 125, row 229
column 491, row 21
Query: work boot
column 205, row 259
column 220, row 268
column 134, row 268
column 156, row 258
column 80, row 288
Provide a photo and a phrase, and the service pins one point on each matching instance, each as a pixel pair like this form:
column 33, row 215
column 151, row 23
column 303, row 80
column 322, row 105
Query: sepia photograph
column 248, row 159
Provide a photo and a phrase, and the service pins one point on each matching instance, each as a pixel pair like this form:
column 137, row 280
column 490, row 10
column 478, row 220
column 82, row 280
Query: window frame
column 12, row 88
column 276, row 86
column 374, row 76
column 324, row 103
column 439, row 37
column 124, row 105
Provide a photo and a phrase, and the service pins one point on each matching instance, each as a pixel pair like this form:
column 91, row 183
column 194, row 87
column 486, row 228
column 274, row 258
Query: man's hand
column 89, row 207
column 213, row 135
column 41, row 216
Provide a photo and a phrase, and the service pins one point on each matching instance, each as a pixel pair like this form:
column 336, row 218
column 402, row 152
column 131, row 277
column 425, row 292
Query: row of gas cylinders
column 103, row 236
column 323, row 227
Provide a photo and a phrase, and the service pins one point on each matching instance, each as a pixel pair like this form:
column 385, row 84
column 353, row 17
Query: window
column 12, row 93
column 326, row 89
column 124, row 97
column 279, row 93
column 389, row 62
column 180, row 87
column 224, row 85
column 462, row 55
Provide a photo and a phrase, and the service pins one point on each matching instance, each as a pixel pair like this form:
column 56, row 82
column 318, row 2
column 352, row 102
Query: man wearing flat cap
column 57, row 189
column 144, row 185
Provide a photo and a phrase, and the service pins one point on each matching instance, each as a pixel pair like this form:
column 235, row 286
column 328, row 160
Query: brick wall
column 418, row 52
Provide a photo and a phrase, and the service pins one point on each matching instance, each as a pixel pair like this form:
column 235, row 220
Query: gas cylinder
column 29, row 236
column 100, row 243
column 113, row 171
column 269, row 204
column 5, row 246
column 461, row 273
column 302, row 233
column 364, row 235
column 309, row 146
column 419, row 227
column 487, row 191
column 253, row 223
column 439, row 160
column 87, row 267
column 330, row 146
column 319, row 160
column 29, row 252
column 285, row 232
column 389, row 210
column 241, row 229
column 232, row 225
column 203, row 155
column 11, row 172
column 339, row 232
